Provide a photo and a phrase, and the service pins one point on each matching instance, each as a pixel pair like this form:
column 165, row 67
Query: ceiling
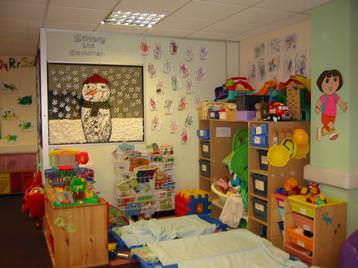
column 233, row 20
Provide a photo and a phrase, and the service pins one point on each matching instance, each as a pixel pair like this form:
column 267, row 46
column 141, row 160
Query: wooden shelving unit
column 328, row 228
column 83, row 246
column 220, row 147
column 275, row 176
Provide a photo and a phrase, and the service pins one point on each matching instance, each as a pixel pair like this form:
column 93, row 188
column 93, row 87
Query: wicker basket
column 222, row 197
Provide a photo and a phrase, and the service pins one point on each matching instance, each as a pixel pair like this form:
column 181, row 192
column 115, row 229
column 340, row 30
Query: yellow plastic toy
column 291, row 146
column 278, row 155
column 300, row 136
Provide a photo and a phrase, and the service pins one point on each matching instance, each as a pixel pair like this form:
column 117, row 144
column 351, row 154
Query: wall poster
column 90, row 103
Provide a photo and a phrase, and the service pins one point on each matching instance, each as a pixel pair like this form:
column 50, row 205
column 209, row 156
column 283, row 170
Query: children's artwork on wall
column 8, row 87
column 259, row 50
column 200, row 74
column 25, row 126
column 203, row 53
column 157, row 51
column 8, row 114
column 301, row 63
column 189, row 120
column 189, row 86
column 24, row 100
column 160, row 87
column 144, row 47
column 174, row 126
column 188, row 54
column 152, row 70
column 168, row 66
column 183, row 104
column 168, row 107
column 184, row 136
column 261, row 69
column 95, row 103
column 184, row 70
column 156, row 123
column 329, row 83
column 290, row 42
column 251, row 72
column 153, row 104
column 287, row 66
column 275, row 46
column 173, row 48
column 197, row 101
column 176, row 85
column 273, row 64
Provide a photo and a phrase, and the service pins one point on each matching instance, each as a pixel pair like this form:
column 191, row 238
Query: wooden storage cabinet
column 82, row 245
column 265, row 179
column 327, row 223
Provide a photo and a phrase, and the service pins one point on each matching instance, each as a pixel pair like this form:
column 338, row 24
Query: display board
column 91, row 103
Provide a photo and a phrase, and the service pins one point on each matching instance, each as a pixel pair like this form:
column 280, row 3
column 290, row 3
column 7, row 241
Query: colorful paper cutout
column 189, row 54
column 157, row 51
column 153, row 104
column 173, row 48
column 175, row 83
column 8, row 114
column 329, row 83
column 189, row 86
column 203, row 53
column 183, row 104
column 144, row 47
column 198, row 101
column 8, row 87
column 184, row 136
column 11, row 138
column 200, row 74
column 184, row 70
column 156, row 124
column 189, row 120
column 160, row 87
column 168, row 67
column 25, row 125
column 168, row 107
column 25, row 100
column 152, row 70
column 174, row 126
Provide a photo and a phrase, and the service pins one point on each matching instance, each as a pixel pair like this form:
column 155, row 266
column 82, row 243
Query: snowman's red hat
column 94, row 79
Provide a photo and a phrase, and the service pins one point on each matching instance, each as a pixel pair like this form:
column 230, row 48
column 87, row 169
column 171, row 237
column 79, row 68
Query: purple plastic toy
column 349, row 252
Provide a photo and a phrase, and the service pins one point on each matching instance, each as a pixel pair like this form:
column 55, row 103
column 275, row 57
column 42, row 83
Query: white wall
column 124, row 50
column 303, row 32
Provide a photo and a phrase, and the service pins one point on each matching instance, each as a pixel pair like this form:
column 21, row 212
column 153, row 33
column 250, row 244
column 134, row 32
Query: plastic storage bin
column 261, row 129
column 259, row 184
column 203, row 134
column 259, row 141
column 299, row 239
column 263, row 159
column 304, row 222
column 260, row 209
column 205, row 149
column 204, row 168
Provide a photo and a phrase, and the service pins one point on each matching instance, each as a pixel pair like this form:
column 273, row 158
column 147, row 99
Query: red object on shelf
column 27, row 179
column 34, row 198
column 64, row 168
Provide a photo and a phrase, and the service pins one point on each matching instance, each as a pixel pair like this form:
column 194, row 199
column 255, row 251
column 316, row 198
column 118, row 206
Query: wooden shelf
column 260, row 171
column 204, row 178
column 204, row 158
column 259, row 196
column 258, row 148
column 257, row 220
column 52, row 257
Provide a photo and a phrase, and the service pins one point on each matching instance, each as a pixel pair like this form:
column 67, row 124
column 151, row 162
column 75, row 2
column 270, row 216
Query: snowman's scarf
column 95, row 106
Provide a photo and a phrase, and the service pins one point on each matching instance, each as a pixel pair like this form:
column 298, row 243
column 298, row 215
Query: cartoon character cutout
column 184, row 136
column 183, row 104
column 156, row 123
column 189, row 54
column 168, row 107
column 160, row 87
column 144, row 48
column 184, row 70
column 189, row 86
column 173, row 48
column 157, row 51
column 152, row 70
column 153, row 104
column 176, row 85
column 329, row 82
column 203, row 53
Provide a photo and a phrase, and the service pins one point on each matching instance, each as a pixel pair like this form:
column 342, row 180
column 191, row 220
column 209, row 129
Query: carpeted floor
column 21, row 243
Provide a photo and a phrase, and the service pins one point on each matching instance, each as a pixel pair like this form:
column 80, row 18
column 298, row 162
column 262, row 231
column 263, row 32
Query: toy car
column 278, row 111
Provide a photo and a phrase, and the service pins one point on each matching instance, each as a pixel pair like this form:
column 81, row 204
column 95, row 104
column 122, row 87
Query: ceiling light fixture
column 119, row 17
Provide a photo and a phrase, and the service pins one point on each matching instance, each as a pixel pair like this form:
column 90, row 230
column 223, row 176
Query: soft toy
column 291, row 186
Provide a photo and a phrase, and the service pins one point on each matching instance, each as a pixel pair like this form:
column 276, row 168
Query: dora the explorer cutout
column 329, row 82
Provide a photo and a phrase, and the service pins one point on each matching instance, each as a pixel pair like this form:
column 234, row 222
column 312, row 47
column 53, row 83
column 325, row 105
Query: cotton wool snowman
column 96, row 110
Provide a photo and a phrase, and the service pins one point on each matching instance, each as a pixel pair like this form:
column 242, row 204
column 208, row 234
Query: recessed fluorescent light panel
column 133, row 18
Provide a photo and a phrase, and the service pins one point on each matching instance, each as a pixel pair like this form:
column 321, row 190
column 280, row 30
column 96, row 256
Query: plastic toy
column 192, row 202
column 291, row 186
column 291, row 146
column 34, row 200
column 300, row 136
column 278, row 156
column 278, row 111
column 237, row 85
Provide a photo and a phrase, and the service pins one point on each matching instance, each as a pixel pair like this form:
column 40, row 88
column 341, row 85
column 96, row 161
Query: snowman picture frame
column 95, row 103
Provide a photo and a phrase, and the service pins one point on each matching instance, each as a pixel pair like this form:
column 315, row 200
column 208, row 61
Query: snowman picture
column 96, row 110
